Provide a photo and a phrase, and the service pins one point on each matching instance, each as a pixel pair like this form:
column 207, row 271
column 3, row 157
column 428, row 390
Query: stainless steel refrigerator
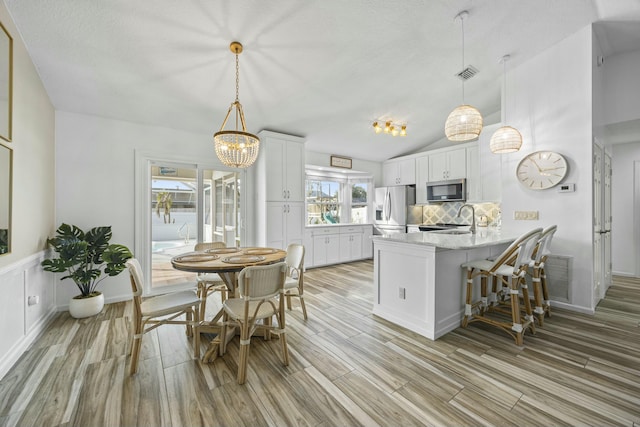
column 391, row 208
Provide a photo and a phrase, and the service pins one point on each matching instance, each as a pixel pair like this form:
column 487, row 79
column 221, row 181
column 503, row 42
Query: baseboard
column 624, row 274
column 571, row 307
column 23, row 344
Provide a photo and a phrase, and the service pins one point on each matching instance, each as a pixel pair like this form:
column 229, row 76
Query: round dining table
column 227, row 263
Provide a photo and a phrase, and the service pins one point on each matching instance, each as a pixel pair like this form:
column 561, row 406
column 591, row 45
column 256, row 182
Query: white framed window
column 338, row 198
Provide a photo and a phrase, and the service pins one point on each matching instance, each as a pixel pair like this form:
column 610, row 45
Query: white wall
column 624, row 243
column 33, row 212
column 622, row 87
column 95, row 160
column 549, row 99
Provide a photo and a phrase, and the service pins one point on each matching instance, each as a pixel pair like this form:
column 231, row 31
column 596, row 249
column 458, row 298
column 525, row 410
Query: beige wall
column 33, row 207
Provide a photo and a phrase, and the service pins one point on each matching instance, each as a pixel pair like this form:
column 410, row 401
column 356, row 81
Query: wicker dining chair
column 160, row 310
column 259, row 288
column 294, row 283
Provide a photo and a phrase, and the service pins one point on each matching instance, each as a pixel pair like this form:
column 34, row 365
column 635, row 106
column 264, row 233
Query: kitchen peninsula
column 418, row 278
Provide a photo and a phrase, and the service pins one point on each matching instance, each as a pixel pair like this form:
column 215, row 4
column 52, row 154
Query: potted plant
column 87, row 258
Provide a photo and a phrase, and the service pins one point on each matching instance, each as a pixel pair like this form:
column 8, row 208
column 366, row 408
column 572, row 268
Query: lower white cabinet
column 284, row 224
column 336, row 244
column 326, row 249
column 350, row 244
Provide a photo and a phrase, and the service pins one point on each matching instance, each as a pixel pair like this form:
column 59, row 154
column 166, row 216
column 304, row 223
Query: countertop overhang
column 483, row 237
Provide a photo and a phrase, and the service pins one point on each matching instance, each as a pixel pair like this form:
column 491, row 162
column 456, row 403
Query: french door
column 179, row 204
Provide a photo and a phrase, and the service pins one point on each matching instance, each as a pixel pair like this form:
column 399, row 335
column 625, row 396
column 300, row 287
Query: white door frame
column 142, row 223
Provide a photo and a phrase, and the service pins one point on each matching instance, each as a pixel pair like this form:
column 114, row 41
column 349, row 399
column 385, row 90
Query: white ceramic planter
column 86, row 307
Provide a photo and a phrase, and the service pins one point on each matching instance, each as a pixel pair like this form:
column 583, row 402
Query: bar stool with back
column 519, row 252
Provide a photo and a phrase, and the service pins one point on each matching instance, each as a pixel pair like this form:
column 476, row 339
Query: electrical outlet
column 525, row 215
column 33, row 300
column 402, row 293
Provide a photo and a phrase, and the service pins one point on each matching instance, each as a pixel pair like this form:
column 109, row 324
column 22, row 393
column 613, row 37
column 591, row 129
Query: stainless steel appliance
column 454, row 190
column 391, row 208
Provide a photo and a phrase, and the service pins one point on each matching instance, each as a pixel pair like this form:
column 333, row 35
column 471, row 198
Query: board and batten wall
column 32, row 207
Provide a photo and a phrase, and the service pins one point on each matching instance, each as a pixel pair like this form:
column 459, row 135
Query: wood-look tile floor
column 348, row 368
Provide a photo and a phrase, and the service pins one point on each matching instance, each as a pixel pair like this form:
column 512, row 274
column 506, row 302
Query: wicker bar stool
column 513, row 277
column 539, row 276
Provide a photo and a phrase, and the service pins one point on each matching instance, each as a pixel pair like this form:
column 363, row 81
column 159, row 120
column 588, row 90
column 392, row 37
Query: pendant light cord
column 504, row 81
column 462, row 25
column 237, row 86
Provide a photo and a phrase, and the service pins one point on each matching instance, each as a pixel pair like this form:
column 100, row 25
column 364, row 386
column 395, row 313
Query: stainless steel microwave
column 454, row 190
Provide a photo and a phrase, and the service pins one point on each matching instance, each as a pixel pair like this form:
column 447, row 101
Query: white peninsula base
column 420, row 283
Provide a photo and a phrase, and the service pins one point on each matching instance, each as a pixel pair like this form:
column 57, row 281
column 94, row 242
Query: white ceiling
column 322, row 69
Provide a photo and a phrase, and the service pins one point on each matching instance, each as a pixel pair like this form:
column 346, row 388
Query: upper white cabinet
column 399, row 172
column 484, row 176
column 449, row 164
column 422, row 176
column 279, row 186
column 283, row 159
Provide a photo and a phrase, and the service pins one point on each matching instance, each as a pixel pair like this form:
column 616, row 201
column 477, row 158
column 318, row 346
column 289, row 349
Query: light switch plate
column 525, row 215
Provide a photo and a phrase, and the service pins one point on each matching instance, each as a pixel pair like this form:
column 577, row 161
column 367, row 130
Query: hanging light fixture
column 236, row 148
column 507, row 139
column 465, row 121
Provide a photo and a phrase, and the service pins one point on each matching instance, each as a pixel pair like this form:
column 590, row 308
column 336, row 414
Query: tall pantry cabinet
column 280, row 170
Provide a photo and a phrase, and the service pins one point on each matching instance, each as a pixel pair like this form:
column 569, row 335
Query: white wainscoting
column 21, row 323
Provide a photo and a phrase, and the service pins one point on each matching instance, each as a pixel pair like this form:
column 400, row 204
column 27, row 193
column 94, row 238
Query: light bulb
column 387, row 127
column 403, row 132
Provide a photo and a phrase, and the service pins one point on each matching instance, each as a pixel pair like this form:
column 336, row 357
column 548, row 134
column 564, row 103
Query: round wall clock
column 541, row 170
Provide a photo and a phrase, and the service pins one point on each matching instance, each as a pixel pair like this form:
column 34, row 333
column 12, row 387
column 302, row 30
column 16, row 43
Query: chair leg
column 136, row 342
column 468, row 302
column 529, row 319
column 223, row 334
column 537, row 295
column 196, row 332
column 288, row 302
column 243, row 359
column 304, row 307
column 189, row 315
column 283, row 339
column 545, row 291
column 515, row 311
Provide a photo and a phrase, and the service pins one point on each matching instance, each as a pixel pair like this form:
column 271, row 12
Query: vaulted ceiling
column 322, row 69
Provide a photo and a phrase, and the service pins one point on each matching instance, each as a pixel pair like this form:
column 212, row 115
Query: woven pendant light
column 236, row 148
column 507, row 139
column 465, row 121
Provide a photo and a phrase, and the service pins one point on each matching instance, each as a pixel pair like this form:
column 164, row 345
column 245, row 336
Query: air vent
column 467, row 73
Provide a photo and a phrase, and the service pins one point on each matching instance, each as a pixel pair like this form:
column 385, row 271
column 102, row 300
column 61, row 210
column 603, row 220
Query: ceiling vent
column 467, row 73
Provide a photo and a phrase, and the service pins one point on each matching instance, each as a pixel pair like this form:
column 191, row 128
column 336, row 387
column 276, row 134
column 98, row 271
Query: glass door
column 189, row 205
column 174, row 220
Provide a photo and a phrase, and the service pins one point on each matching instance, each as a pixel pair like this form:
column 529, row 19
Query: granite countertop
column 488, row 236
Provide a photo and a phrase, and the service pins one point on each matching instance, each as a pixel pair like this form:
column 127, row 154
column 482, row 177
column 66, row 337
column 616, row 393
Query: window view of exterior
column 323, row 201
column 174, row 216
column 336, row 200
column 359, row 203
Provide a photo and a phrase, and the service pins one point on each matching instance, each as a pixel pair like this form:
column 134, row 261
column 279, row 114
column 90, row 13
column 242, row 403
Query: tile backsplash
column 447, row 212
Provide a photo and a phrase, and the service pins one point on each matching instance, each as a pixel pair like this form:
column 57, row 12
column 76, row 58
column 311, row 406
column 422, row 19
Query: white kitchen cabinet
column 422, row 176
column 449, row 164
column 284, row 158
column 350, row 243
column 286, row 224
column 338, row 243
column 326, row 247
column 399, row 172
column 484, row 176
column 279, row 189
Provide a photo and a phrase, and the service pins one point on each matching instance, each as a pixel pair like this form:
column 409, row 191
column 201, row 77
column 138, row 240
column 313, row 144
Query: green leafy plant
column 87, row 258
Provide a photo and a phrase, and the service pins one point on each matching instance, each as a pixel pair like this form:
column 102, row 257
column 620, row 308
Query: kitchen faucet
column 472, row 229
